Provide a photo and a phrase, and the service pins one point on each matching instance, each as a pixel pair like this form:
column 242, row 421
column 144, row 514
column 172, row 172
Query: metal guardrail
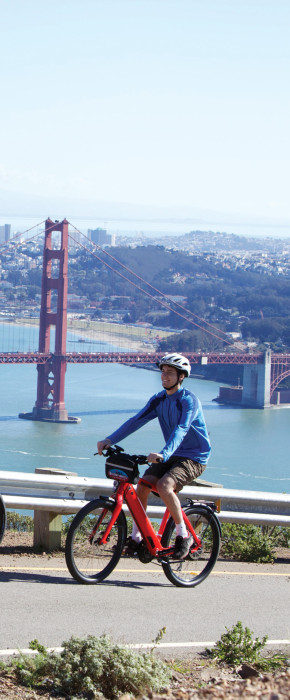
column 64, row 494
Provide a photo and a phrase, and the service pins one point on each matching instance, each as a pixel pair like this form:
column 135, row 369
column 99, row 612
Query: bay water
column 250, row 448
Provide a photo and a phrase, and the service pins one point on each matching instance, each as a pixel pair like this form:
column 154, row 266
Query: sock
column 136, row 534
column 181, row 530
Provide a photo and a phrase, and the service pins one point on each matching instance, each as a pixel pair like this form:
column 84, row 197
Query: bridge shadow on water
column 207, row 406
column 112, row 412
column 221, row 406
column 122, row 411
column 108, row 412
column 7, row 418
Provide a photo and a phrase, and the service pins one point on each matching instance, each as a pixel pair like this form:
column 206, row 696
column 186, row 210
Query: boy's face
column 169, row 376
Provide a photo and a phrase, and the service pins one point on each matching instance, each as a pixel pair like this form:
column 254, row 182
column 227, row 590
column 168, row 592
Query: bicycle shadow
column 33, row 577
column 45, row 578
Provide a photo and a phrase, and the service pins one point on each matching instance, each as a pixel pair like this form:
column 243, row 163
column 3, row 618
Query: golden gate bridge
column 263, row 372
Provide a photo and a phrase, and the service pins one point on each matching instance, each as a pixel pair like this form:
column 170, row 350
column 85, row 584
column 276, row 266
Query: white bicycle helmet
column 178, row 361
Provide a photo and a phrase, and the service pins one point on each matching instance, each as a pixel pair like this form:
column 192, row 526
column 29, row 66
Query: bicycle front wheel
column 87, row 560
column 198, row 564
column 2, row 518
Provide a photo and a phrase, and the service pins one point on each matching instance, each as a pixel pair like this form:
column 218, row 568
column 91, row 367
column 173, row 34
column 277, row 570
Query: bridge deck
column 226, row 358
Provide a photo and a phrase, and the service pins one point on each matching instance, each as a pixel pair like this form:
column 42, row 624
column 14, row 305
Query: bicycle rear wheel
column 2, row 518
column 198, row 564
column 87, row 560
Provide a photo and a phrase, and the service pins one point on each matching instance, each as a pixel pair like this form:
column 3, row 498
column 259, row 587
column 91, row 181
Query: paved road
column 39, row 600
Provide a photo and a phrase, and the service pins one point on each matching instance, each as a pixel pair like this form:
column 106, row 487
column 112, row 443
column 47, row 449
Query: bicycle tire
column 192, row 570
column 88, row 562
column 2, row 518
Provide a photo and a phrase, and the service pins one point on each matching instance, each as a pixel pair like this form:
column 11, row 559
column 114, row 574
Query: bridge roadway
column 239, row 358
column 41, row 601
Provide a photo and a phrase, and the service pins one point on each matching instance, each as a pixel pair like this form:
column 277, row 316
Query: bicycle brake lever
column 142, row 459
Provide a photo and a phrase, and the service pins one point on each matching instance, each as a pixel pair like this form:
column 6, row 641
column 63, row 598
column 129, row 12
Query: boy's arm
column 132, row 424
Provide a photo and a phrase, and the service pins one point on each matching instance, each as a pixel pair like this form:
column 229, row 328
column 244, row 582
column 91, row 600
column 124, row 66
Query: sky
column 168, row 105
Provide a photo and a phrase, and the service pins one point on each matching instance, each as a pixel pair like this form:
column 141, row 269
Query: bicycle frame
column 126, row 492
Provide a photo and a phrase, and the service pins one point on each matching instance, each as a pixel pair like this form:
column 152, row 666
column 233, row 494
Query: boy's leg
column 144, row 491
column 166, row 487
column 143, row 495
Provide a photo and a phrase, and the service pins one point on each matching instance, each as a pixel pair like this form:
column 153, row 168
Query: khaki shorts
column 183, row 471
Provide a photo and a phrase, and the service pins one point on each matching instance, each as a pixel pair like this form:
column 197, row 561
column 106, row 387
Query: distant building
column 5, row 231
column 101, row 237
column 235, row 335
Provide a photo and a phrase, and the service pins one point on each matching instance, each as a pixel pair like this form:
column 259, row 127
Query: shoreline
column 123, row 336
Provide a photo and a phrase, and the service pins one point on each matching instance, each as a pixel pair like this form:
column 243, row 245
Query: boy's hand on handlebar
column 102, row 444
column 154, row 457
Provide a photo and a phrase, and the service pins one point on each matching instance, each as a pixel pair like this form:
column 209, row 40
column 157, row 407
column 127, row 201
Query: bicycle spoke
column 88, row 560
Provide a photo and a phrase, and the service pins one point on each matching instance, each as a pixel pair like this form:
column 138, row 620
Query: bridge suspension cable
column 155, row 289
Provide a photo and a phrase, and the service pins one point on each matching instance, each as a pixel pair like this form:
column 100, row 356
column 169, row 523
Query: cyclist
column 185, row 453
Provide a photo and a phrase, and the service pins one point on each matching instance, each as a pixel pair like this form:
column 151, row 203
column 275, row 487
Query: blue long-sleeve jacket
column 182, row 423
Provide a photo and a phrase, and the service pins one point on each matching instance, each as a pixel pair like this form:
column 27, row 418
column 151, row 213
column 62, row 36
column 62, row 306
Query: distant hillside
column 232, row 291
column 254, row 302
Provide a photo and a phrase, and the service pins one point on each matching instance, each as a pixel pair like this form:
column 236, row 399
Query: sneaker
column 182, row 546
column 131, row 547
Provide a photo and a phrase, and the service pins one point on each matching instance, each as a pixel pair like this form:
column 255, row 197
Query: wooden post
column 47, row 530
column 47, row 524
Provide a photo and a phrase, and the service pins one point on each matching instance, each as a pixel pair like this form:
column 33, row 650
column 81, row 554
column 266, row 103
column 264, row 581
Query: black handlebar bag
column 122, row 468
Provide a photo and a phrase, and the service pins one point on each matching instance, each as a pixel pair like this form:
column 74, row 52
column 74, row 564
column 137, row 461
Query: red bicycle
column 98, row 533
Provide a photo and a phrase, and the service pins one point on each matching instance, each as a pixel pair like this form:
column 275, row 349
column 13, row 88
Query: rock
column 247, row 671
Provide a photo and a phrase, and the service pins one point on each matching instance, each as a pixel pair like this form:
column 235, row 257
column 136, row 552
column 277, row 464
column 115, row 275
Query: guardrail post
column 47, row 524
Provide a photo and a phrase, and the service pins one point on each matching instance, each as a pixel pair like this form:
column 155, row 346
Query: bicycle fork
column 111, row 523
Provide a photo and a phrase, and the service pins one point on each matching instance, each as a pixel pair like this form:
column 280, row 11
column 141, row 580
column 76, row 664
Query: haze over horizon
column 146, row 109
column 18, row 205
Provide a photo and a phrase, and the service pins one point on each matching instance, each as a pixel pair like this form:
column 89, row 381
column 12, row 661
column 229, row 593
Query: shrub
column 95, row 667
column 247, row 543
column 280, row 534
column 20, row 523
column 237, row 646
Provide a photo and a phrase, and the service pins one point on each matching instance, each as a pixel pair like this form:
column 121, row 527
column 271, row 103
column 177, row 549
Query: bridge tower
column 257, row 383
column 50, row 405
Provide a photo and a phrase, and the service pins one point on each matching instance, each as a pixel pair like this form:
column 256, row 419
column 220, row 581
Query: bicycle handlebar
column 116, row 449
